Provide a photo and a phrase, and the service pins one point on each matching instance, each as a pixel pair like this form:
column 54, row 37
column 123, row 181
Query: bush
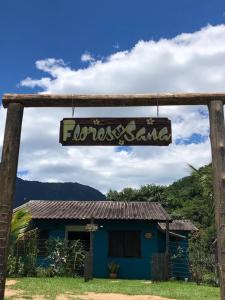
column 210, row 278
column 66, row 257
column 22, row 259
column 45, row 272
column 63, row 259
column 15, row 266
column 113, row 267
column 202, row 265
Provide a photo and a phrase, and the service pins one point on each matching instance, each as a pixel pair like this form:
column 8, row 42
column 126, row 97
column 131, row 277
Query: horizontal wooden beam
column 50, row 100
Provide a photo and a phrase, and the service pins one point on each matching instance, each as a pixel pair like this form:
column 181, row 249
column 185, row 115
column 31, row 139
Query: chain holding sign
column 115, row 132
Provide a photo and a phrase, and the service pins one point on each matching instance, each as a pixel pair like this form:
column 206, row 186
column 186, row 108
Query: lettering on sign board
column 115, row 132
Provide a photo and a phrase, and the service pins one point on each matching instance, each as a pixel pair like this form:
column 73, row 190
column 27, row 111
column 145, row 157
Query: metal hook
column 73, row 109
column 157, row 108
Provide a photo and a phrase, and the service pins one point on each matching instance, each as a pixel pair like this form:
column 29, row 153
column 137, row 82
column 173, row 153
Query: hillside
column 34, row 190
column 188, row 198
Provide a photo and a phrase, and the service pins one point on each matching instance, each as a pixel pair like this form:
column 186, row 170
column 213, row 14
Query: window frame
column 123, row 232
column 41, row 242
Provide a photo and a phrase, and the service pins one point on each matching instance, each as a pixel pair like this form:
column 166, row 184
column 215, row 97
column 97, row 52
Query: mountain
column 35, row 190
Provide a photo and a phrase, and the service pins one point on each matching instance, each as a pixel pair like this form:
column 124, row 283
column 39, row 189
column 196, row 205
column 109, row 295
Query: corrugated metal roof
column 109, row 210
column 179, row 225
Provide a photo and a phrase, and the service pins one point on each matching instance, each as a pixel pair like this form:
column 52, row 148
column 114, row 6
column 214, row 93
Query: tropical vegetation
column 62, row 258
column 188, row 198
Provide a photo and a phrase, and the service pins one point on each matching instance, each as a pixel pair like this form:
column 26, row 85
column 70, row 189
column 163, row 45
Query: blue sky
column 67, row 46
column 33, row 30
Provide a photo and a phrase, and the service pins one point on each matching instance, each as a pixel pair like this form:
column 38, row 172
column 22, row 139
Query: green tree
column 19, row 224
column 192, row 198
column 149, row 192
column 201, row 261
column 23, row 245
column 188, row 198
column 127, row 194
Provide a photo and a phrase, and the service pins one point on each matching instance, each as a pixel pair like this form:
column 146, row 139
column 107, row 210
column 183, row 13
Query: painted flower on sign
column 121, row 142
column 96, row 122
column 150, row 121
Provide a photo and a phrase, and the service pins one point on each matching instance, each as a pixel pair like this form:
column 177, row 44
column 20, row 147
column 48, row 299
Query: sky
column 98, row 46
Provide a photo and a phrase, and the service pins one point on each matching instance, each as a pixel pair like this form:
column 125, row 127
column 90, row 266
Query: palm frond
column 20, row 223
column 193, row 169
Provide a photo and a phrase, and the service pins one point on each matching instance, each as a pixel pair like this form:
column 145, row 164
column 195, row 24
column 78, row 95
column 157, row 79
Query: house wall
column 139, row 268
column 132, row 268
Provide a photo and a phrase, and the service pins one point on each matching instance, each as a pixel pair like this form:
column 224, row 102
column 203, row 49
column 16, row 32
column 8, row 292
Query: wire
column 73, row 109
column 157, row 108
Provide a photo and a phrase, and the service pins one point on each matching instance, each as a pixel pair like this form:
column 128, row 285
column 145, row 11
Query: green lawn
column 50, row 287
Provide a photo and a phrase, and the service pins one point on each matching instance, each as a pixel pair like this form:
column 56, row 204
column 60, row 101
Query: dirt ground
column 10, row 292
column 18, row 295
column 94, row 296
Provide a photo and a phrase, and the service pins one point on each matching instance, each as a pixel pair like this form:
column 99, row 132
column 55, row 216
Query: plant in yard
column 23, row 245
column 201, row 263
column 180, row 253
column 66, row 257
column 15, row 266
column 22, row 259
column 19, row 225
column 113, row 269
column 30, row 252
column 44, row 272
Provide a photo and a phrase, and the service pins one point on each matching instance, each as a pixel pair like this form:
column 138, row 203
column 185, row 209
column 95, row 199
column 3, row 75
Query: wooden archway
column 15, row 105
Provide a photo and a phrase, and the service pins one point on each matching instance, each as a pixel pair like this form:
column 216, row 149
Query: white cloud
column 192, row 62
column 116, row 46
column 86, row 57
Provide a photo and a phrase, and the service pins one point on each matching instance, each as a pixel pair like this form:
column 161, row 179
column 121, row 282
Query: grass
column 50, row 287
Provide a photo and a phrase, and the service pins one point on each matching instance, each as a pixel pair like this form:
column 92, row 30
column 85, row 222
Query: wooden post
column 10, row 154
column 217, row 135
column 87, row 270
column 167, row 250
column 88, row 265
column 167, row 236
column 91, row 249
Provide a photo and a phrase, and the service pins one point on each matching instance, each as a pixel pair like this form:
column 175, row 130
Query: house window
column 78, row 232
column 124, row 244
column 43, row 236
column 83, row 236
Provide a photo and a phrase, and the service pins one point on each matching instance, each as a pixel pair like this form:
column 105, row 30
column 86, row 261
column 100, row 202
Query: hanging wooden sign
column 115, row 132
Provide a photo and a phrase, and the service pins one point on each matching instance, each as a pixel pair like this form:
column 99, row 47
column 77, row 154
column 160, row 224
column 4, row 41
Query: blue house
column 128, row 233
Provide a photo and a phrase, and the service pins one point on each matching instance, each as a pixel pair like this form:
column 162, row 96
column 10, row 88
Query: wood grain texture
column 47, row 100
column 8, row 173
column 167, row 236
column 15, row 104
column 159, row 267
column 217, row 135
column 115, row 132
